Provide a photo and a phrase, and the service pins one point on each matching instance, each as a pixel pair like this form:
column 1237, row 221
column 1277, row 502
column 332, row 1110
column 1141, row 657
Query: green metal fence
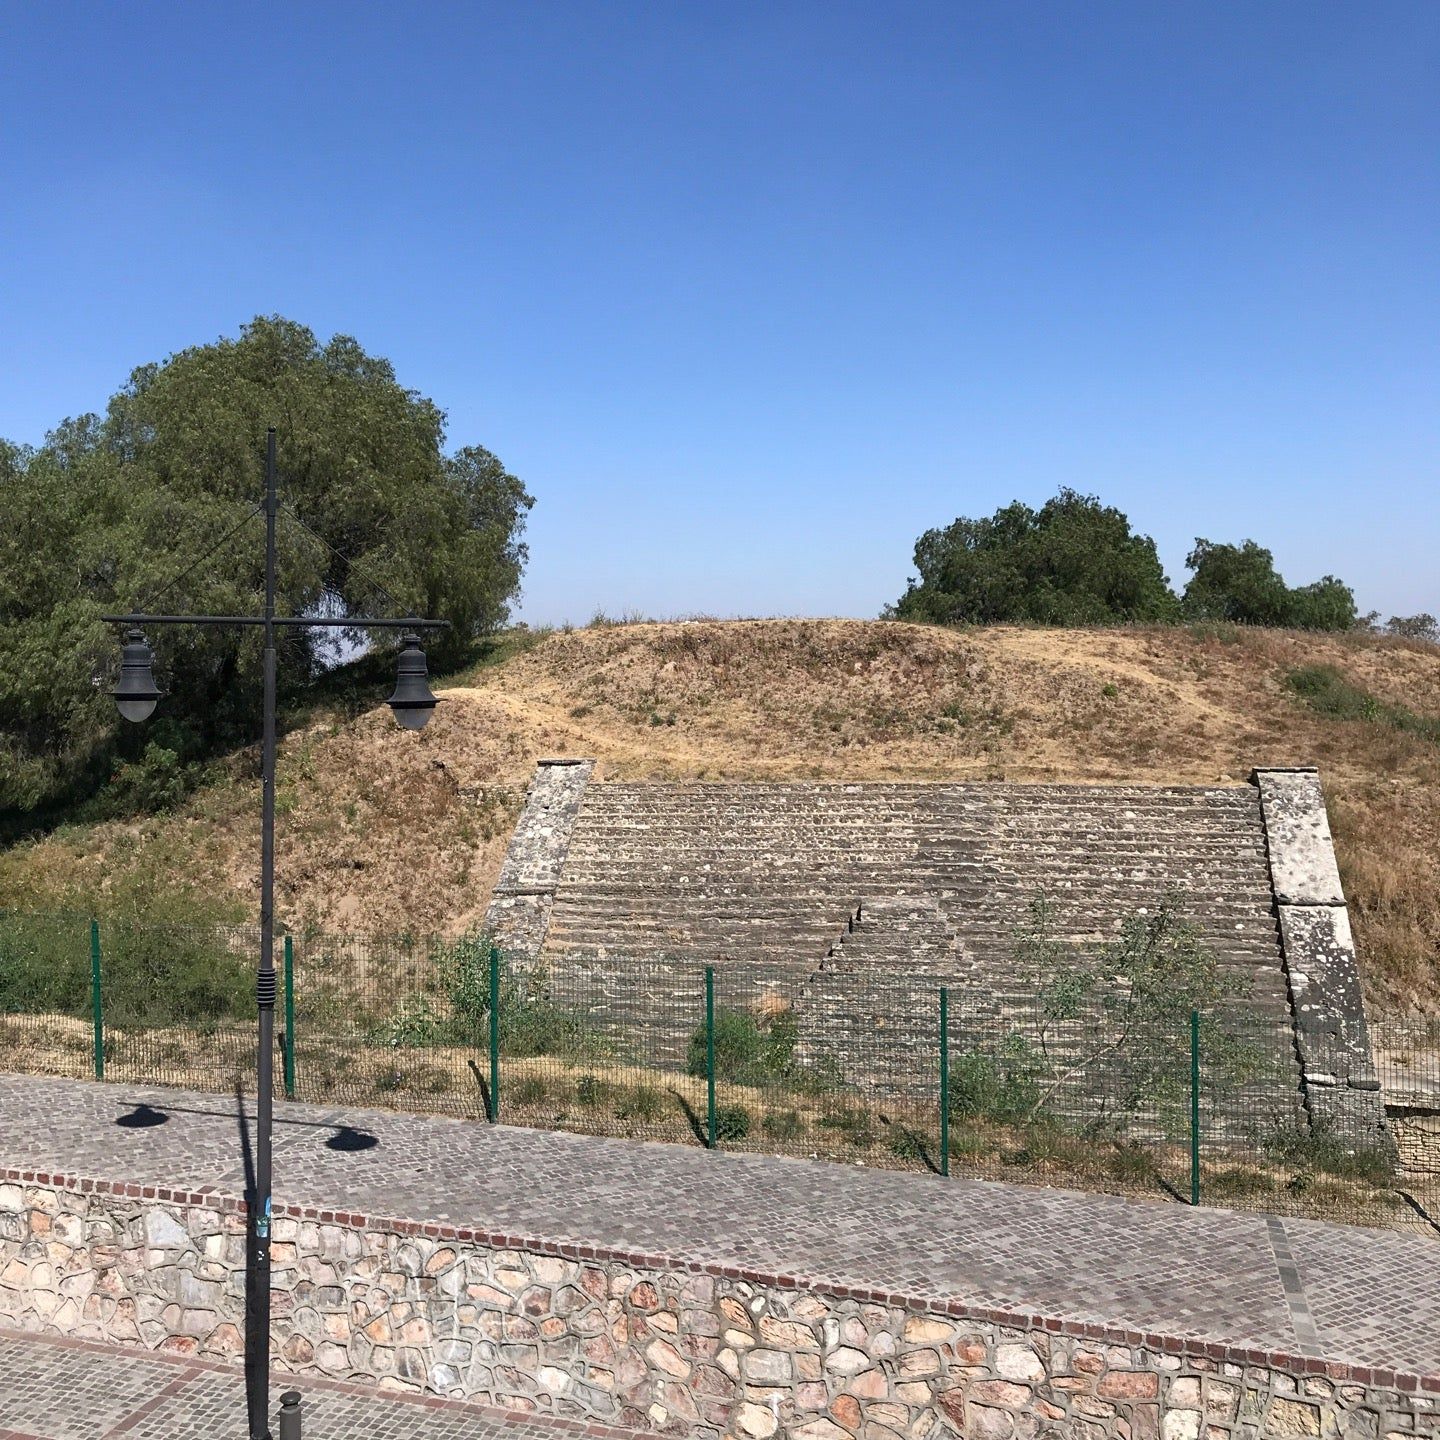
column 1199, row 1108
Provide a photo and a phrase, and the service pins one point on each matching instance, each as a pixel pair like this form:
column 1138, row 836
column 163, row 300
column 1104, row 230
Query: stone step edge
column 210, row 1198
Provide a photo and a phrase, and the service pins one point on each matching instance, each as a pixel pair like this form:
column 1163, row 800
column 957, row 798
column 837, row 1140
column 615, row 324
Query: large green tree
column 1240, row 583
column 110, row 510
column 1072, row 562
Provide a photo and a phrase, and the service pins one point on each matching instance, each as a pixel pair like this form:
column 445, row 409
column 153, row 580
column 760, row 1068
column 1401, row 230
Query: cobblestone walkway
column 53, row 1389
column 1339, row 1292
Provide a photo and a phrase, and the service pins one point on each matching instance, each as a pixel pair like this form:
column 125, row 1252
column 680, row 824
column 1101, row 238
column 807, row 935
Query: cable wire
column 195, row 565
column 292, row 514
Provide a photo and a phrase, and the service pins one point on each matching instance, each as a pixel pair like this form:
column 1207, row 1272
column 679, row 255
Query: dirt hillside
column 384, row 830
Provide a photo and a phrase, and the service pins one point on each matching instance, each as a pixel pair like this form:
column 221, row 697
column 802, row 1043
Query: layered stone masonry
column 637, row 1341
column 519, row 912
column 660, row 879
column 1342, row 1089
column 879, row 979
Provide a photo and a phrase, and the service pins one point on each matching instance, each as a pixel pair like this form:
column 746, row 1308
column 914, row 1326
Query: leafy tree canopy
column 375, row 516
column 1423, row 626
column 1077, row 562
column 1072, row 562
column 1240, row 583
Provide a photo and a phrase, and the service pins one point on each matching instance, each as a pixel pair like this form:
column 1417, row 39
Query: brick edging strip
column 1112, row 1333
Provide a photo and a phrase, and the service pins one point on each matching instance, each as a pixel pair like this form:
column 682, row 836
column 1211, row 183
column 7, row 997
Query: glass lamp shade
column 412, row 702
column 135, row 695
column 135, row 710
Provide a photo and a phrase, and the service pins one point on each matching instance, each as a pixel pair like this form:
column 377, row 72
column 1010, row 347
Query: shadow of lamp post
column 135, row 697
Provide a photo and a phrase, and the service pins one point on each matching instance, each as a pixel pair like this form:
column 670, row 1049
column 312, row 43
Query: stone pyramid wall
column 843, row 902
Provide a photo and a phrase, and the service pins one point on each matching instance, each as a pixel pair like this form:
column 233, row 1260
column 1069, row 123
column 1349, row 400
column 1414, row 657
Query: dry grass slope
column 387, row 831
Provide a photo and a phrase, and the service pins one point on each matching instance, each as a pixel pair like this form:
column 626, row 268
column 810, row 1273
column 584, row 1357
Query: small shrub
column 644, row 1103
column 153, row 784
column 856, row 1125
column 745, row 1052
column 1310, row 1150
column 783, row 1124
column 591, row 1091
column 1110, row 691
column 529, row 1090
column 1131, row 1163
column 904, row 1144
column 1234, row 1182
column 999, row 1087
column 413, row 1026
column 1326, row 690
column 966, row 1144
column 531, row 1023
column 732, row 1122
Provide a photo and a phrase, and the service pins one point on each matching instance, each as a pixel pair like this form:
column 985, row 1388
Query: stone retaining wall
column 642, row 1342
column 1342, row 1090
column 520, row 904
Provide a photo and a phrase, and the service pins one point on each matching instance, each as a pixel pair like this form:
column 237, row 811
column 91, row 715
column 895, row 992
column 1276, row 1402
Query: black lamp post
column 135, row 697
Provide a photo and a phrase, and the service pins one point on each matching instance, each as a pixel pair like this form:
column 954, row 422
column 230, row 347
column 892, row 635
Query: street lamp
column 412, row 701
column 135, row 697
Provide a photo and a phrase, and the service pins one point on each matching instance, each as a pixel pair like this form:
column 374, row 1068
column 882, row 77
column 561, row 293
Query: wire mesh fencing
column 48, row 1024
column 1086, row 1091
column 129, row 1001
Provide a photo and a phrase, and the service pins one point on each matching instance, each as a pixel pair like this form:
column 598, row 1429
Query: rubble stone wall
column 520, row 905
column 639, row 1342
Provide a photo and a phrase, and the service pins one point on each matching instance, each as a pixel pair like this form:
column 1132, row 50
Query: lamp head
column 413, row 702
column 135, row 694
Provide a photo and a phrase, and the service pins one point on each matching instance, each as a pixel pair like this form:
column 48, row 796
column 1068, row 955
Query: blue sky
column 750, row 294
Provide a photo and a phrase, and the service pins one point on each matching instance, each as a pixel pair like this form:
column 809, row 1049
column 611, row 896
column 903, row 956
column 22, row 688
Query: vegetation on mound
column 1077, row 562
column 384, row 834
column 1327, row 691
column 109, row 512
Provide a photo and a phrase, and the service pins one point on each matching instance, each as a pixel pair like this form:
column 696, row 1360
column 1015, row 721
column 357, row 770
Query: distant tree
column 1240, row 583
column 1327, row 604
column 1072, row 562
column 1414, row 627
column 1235, row 582
column 110, row 509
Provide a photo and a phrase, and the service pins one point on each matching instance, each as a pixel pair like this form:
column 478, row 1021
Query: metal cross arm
column 294, row 622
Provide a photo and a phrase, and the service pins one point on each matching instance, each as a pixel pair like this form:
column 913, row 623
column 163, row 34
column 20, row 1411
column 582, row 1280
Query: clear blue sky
column 750, row 294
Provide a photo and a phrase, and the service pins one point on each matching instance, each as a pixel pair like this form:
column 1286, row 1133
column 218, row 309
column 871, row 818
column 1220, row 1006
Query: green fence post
column 97, row 1007
column 1194, row 1107
column 289, row 1051
column 710, row 1054
column 944, row 1079
column 494, row 1034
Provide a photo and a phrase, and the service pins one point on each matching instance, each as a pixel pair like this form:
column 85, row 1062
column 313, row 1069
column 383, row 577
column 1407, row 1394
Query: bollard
column 290, row 1415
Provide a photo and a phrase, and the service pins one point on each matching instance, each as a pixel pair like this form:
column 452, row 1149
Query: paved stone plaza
column 664, row 1288
column 72, row 1390
column 1348, row 1293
